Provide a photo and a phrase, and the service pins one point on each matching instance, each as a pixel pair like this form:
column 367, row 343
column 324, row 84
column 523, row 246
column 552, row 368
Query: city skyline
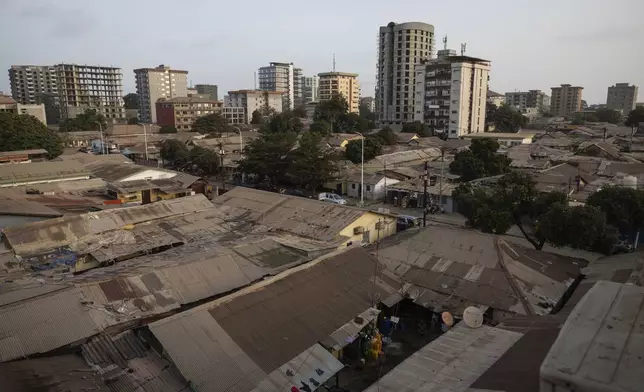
column 539, row 52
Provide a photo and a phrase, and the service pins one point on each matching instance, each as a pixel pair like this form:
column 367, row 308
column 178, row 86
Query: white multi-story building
column 82, row 87
column 310, row 86
column 155, row 83
column 285, row 79
column 451, row 93
column 400, row 48
column 622, row 97
column 524, row 100
column 252, row 100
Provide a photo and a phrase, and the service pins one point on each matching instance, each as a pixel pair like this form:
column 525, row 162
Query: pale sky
column 531, row 44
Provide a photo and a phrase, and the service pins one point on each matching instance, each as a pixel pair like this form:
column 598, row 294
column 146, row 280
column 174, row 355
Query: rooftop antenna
column 463, row 47
column 254, row 80
column 333, row 62
column 445, row 42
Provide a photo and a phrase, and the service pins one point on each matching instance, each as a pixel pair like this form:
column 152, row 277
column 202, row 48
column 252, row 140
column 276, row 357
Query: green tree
column 311, row 166
column 367, row 114
column 508, row 119
column 257, row 117
column 608, row 115
column 283, row 122
column 372, row 148
column 174, row 151
column 24, row 132
column 320, row 127
column 624, row 207
column 635, row 117
column 414, row 127
column 204, row 161
column 481, row 160
column 86, row 121
column 212, row 123
column 268, row 157
column 541, row 217
column 167, row 129
column 300, row 111
column 331, row 110
column 131, row 101
column 387, row 136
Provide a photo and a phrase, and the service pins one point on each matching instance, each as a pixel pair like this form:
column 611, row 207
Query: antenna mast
column 445, row 42
column 463, row 47
column 333, row 62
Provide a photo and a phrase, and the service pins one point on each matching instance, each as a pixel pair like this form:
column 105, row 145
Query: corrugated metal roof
column 452, row 362
column 22, row 173
column 600, row 345
column 114, row 172
column 205, row 354
column 104, row 350
column 312, row 368
column 34, row 238
column 295, row 215
column 23, row 152
column 475, row 267
column 26, row 208
column 43, row 324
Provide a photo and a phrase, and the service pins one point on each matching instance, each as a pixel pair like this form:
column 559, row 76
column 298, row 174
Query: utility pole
column 425, row 196
column 440, row 186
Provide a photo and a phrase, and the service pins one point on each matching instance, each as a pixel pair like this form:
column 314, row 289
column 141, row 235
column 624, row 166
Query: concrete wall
column 369, row 221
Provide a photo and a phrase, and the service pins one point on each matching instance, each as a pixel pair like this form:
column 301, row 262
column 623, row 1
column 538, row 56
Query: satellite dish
column 473, row 317
column 447, row 318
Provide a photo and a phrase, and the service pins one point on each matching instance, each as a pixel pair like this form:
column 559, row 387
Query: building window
column 368, row 188
column 353, row 186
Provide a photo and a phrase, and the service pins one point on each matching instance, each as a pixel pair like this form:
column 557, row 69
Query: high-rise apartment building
column 523, row 100
column 82, row 87
column 36, row 84
column 155, row 83
column 310, row 89
column 29, row 81
column 451, row 93
column 208, row 89
column 622, row 97
column 400, row 48
column 283, row 78
column 565, row 100
column 340, row 83
column 369, row 103
column 252, row 100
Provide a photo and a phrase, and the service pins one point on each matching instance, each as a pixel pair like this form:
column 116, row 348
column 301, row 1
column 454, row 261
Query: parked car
column 294, row 192
column 404, row 222
column 331, row 198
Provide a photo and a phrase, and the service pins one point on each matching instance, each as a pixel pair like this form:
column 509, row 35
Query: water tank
column 629, row 182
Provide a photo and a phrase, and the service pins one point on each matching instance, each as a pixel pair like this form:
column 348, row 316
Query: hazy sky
column 531, row 44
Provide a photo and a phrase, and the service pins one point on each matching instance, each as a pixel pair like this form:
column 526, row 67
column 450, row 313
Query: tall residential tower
column 400, row 47
column 565, row 100
column 342, row 83
column 283, row 78
column 155, row 83
column 622, row 97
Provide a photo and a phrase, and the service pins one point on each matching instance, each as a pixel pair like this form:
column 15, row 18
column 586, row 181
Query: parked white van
column 331, row 198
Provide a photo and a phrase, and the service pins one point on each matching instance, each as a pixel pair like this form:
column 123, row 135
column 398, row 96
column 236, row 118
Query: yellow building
column 345, row 84
column 146, row 191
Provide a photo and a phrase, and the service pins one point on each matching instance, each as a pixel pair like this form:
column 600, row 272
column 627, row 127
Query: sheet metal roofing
column 37, row 151
column 295, row 215
column 21, row 173
column 26, row 208
column 114, row 172
column 38, row 237
column 220, row 345
column 405, row 158
column 478, row 268
column 600, row 345
column 452, row 362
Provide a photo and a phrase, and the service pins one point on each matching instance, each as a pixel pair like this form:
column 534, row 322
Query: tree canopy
column 268, row 156
column 257, row 117
column 320, row 127
column 366, row 113
column 131, row 101
column 203, row 161
column 635, row 117
column 481, row 160
column 541, row 217
column 335, row 111
column 507, row 119
column 283, row 122
column 312, row 166
column 387, row 136
column 416, row 127
column 624, row 207
column 167, row 129
column 300, row 111
column 608, row 115
column 372, row 148
column 24, row 132
column 86, row 121
column 212, row 123
column 174, row 151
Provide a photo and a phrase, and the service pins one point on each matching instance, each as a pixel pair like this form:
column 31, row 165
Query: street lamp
column 100, row 129
column 361, row 171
